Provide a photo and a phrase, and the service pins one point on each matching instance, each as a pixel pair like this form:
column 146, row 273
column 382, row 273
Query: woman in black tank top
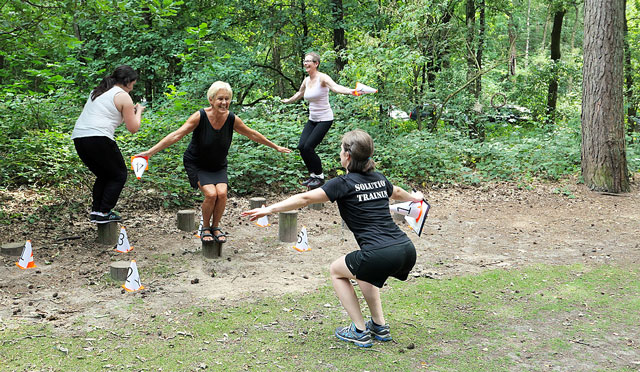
column 206, row 157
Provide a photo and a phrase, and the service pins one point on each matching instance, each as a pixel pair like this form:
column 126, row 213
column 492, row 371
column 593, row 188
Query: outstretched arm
column 175, row 136
column 240, row 127
column 299, row 94
column 294, row 202
column 400, row 194
column 335, row 87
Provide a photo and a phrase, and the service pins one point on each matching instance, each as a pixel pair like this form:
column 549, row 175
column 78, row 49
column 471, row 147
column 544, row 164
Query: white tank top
column 318, row 97
column 99, row 117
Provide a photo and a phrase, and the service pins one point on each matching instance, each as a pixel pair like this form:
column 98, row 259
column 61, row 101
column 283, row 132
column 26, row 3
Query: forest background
column 494, row 86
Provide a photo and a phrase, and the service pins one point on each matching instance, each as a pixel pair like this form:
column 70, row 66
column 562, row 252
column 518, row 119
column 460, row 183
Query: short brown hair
column 359, row 145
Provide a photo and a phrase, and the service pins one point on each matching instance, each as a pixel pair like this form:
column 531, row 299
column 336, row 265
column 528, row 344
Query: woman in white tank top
column 108, row 105
column 315, row 89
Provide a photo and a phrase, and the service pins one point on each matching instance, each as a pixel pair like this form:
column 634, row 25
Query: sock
column 375, row 324
column 321, row 175
column 358, row 330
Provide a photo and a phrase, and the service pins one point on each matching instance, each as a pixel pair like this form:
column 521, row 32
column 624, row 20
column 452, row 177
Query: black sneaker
column 92, row 216
column 351, row 334
column 315, row 183
column 379, row 332
column 111, row 217
column 306, row 182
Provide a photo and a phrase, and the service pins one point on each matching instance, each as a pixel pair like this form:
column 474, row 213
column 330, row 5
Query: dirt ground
column 468, row 230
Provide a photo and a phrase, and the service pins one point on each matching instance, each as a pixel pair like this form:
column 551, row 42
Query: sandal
column 208, row 234
column 221, row 235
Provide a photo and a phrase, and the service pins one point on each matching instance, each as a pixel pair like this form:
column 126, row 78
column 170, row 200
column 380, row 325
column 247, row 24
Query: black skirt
column 205, row 177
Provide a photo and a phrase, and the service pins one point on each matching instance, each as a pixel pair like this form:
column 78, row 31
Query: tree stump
column 257, row 202
column 119, row 270
column 12, row 249
column 211, row 249
column 316, row 206
column 288, row 226
column 108, row 233
column 187, row 220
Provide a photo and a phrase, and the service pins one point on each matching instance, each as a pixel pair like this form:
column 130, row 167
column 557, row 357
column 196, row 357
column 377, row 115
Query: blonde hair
column 359, row 145
column 215, row 87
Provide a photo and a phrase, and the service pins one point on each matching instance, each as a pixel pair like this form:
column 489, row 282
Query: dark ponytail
column 359, row 145
column 122, row 75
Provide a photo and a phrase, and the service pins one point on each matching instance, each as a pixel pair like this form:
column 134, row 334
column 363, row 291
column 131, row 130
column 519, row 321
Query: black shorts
column 375, row 266
column 205, row 177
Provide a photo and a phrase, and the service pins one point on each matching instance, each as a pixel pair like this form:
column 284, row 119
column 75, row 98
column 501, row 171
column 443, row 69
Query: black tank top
column 209, row 147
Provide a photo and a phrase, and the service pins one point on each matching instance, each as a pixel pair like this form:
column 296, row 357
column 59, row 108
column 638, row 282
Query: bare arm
column 240, row 127
column 400, row 194
column 299, row 94
column 132, row 114
column 327, row 81
column 296, row 201
column 175, row 136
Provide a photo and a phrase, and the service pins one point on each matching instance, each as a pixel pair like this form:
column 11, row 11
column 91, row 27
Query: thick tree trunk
column 604, row 163
column 339, row 41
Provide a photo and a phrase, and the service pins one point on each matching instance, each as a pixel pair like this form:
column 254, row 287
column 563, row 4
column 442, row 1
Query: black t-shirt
column 209, row 147
column 363, row 202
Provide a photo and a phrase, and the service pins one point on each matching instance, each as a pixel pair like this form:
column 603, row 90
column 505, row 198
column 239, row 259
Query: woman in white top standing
column 108, row 105
column 315, row 89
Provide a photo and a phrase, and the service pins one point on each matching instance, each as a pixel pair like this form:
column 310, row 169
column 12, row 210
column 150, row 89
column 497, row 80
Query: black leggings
column 103, row 158
column 312, row 135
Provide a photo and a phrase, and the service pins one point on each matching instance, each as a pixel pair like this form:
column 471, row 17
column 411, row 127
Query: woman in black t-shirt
column 206, row 157
column 363, row 200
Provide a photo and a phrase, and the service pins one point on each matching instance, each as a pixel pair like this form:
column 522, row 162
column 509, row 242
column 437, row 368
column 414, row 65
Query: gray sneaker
column 315, row 183
column 351, row 334
column 379, row 332
column 111, row 217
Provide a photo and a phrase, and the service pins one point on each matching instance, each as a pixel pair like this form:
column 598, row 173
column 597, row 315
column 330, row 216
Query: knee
column 210, row 196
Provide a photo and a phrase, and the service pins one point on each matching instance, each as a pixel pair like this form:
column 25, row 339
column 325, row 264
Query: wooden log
column 316, row 206
column 187, row 220
column 288, row 226
column 257, row 202
column 211, row 249
column 12, row 249
column 119, row 270
column 108, row 233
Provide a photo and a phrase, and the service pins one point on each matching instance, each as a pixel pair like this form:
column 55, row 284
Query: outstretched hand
column 283, row 149
column 256, row 213
column 141, row 154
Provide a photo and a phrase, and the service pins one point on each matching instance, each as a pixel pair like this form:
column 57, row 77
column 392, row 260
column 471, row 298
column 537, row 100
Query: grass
column 536, row 319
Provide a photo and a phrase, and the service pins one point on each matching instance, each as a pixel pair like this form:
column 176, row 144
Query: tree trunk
column 556, row 33
column 512, row 45
column 472, row 67
column 339, row 41
column 604, row 163
column 276, row 62
column 481, row 34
